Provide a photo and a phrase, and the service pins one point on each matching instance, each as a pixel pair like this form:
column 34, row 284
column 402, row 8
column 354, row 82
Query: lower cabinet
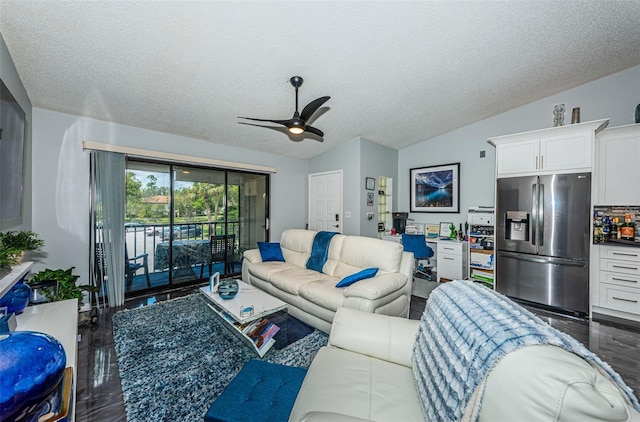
column 619, row 282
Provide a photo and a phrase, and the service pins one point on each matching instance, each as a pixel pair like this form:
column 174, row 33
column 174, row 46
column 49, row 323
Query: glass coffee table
column 246, row 315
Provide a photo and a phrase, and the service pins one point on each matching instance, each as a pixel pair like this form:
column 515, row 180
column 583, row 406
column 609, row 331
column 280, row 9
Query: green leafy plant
column 66, row 285
column 25, row 240
column 7, row 259
column 8, row 256
column 13, row 244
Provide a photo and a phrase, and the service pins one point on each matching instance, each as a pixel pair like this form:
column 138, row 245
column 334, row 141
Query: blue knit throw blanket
column 320, row 250
column 464, row 332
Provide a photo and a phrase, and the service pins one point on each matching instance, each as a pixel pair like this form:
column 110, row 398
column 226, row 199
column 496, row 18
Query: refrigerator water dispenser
column 517, row 225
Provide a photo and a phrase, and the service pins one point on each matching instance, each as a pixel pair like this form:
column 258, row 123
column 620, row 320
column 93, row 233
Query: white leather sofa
column 313, row 297
column 365, row 374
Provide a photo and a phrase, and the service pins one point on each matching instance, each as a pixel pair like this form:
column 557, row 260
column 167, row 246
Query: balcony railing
column 144, row 238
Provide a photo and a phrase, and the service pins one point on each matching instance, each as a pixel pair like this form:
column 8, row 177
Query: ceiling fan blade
column 280, row 122
column 311, row 108
column 313, row 130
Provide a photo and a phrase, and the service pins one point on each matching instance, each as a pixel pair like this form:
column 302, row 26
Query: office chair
column 416, row 243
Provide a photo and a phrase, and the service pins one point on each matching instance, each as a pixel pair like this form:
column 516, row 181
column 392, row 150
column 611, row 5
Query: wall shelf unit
column 385, row 203
column 481, row 245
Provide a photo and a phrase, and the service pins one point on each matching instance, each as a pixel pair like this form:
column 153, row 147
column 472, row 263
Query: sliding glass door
column 188, row 222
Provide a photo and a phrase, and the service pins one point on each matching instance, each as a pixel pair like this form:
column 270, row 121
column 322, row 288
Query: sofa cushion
column 264, row 270
column 291, row 280
column 355, row 385
column 323, row 293
column 360, row 252
column 335, row 248
column 354, row 278
column 270, row 251
column 296, row 245
column 563, row 387
column 463, row 335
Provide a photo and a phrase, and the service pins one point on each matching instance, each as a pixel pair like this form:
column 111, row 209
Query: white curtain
column 108, row 204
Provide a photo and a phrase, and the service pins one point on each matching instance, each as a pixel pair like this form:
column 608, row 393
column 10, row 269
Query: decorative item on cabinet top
column 558, row 115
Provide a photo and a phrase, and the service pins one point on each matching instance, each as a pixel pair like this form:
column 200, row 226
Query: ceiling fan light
column 296, row 130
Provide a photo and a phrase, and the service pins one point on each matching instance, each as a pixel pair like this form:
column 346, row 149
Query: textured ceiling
column 397, row 72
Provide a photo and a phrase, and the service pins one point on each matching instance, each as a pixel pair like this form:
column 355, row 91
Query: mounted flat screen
column 12, row 131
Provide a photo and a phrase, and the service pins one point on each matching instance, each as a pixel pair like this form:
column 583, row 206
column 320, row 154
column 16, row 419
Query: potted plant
column 58, row 285
column 8, row 257
column 18, row 242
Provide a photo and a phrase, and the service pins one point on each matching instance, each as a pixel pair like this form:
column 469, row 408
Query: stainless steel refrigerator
column 542, row 240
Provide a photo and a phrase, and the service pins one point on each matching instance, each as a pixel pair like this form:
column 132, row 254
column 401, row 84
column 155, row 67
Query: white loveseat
column 313, row 297
column 365, row 374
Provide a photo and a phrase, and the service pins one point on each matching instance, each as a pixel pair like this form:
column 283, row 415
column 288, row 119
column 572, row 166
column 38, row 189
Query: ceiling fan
column 298, row 123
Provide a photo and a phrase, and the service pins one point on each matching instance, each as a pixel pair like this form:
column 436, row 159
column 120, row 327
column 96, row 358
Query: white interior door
column 325, row 201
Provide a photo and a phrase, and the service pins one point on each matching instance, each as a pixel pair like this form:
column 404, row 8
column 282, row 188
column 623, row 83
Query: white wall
column 11, row 79
column 344, row 157
column 376, row 161
column 61, row 180
column 358, row 159
column 615, row 97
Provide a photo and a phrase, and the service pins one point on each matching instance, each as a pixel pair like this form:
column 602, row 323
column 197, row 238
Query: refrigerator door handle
column 540, row 227
column 544, row 259
column 533, row 227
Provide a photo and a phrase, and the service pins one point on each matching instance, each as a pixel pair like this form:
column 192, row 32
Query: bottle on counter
column 606, row 228
column 614, row 228
column 597, row 229
column 627, row 229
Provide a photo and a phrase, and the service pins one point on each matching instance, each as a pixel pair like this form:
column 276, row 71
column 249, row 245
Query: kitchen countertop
column 619, row 242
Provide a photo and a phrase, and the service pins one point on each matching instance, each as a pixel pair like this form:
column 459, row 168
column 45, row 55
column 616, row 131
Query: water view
column 434, row 189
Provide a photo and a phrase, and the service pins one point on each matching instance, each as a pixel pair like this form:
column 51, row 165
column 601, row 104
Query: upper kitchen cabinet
column 563, row 149
column 618, row 165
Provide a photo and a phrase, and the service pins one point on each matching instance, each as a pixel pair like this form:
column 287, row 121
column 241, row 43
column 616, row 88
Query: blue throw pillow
column 360, row 275
column 270, row 251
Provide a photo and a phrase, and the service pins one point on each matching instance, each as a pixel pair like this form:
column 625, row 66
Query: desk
column 451, row 255
column 186, row 254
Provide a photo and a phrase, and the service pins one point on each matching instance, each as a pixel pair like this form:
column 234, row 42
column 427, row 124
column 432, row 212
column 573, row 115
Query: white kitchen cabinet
column 617, row 282
column 618, row 166
column 560, row 149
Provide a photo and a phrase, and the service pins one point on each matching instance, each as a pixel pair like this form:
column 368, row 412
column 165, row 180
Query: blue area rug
column 176, row 357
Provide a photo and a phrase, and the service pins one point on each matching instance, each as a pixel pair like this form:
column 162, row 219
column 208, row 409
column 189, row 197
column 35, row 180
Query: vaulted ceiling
column 397, row 72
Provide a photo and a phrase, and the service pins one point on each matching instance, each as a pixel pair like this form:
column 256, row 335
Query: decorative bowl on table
column 31, row 367
column 228, row 288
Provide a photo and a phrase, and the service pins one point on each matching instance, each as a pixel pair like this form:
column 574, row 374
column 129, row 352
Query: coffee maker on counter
column 400, row 221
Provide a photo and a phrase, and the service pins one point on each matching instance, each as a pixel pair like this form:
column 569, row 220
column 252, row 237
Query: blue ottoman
column 261, row 391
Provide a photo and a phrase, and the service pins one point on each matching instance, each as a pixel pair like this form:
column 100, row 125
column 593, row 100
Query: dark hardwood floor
column 99, row 395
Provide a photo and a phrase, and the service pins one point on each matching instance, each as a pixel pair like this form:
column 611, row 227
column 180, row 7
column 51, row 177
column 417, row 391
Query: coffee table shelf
column 229, row 311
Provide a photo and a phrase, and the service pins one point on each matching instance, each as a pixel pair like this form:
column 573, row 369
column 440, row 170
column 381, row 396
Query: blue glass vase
column 228, row 288
column 31, row 367
column 16, row 299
